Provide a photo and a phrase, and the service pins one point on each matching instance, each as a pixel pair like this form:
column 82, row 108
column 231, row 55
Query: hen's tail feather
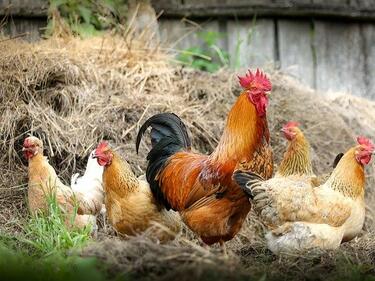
column 337, row 159
column 168, row 136
column 247, row 181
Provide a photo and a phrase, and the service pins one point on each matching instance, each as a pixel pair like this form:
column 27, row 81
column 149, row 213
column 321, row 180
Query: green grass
column 20, row 266
column 40, row 252
column 47, row 234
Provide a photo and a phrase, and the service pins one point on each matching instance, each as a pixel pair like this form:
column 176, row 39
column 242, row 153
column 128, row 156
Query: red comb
column 257, row 81
column 26, row 142
column 291, row 124
column 102, row 145
column 30, row 141
column 367, row 143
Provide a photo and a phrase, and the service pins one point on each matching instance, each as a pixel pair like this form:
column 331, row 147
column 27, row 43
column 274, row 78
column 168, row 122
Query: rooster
column 89, row 186
column 297, row 158
column 200, row 187
column 44, row 182
column 300, row 216
column 130, row 206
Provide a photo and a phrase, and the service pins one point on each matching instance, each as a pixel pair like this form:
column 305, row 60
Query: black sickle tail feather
column 246, row 180
column 337, row 159
column 168, row 136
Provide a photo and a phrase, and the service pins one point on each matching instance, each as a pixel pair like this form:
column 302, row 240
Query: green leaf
column 85, row 13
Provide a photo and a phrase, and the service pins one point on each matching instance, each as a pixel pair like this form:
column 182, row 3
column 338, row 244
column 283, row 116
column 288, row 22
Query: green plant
column 40, row 251
column 207, row 57
column 235, row 59
column 86, row 17
column 18, row 265
column 46, row 232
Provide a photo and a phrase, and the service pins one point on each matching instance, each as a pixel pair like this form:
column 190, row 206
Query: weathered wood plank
column 251, row 43
column 29, row 29
column 29, row 8
column 182, row 34
column 295, row 49
column 339, row 57
column 360, row 9
column 178, row 34
column 352, row 9
column 368, row 35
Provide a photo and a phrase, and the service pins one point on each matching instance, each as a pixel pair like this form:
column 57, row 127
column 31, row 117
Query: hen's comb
column 29, row 141
column 367, row 143
column 257, row 81
column 102, row 146
column 291, row 124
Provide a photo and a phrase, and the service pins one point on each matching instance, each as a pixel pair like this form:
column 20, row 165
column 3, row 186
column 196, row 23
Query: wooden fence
column 329, row 45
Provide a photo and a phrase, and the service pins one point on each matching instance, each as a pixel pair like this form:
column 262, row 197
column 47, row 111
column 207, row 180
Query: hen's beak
column 23, row 148
column 95, row 156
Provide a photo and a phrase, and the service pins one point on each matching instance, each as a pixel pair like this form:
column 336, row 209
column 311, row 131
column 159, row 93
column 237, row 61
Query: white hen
column 89, row 187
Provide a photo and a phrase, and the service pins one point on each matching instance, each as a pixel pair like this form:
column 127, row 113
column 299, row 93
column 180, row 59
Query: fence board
column 295, row 49
column 339, row 57
column 184, row 34
column 352, row 9
column 360, row 9
column 368, row 34
column 29, row 29
column 251, row 43
column 29, row 8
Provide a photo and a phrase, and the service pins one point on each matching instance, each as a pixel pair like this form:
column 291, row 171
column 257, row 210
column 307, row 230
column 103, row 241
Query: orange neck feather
column 118, row 177
column 242, row 134
column 349, row 176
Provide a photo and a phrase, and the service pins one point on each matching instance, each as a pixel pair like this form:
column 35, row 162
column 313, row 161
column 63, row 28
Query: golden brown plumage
column 129, row 203
column 297, row 157
column 44, row 182
column 301, row 216
column 200, row 187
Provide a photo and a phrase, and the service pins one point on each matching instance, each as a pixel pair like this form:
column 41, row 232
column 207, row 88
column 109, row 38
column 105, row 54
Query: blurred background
column 328, row 45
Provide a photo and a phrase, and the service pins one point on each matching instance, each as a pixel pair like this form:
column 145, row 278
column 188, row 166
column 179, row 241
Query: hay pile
column 72, row 93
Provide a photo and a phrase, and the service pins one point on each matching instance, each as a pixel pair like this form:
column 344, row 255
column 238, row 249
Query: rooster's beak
column 23, row 148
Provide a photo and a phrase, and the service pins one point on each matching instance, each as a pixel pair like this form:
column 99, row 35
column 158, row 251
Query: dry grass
column 72, row 93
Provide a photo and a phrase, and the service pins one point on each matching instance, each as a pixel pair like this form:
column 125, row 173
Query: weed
column 19, row 266
column 88, row 18
column 47, row 233
column 207, row 57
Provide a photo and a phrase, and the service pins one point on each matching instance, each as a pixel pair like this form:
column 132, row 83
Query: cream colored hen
column 300, row 216
column 44, row 182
